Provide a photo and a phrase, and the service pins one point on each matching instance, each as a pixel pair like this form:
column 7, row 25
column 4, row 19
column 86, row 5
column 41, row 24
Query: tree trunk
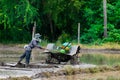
column 51, row 27
column 105, row 18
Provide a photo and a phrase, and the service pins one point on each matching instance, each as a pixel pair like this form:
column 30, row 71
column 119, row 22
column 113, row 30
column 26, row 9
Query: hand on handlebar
column 44, row 49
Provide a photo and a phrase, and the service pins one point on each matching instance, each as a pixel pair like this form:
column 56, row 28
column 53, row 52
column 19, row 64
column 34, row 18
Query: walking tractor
column 65, row 53
column 54, row 55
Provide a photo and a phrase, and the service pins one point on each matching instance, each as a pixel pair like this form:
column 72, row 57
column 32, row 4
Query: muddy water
column 11, row 55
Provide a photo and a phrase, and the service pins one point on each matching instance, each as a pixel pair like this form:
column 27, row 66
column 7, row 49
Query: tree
column 54, row 18
column 16, row 16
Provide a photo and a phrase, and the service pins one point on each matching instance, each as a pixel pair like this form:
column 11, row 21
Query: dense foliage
column 58, row 20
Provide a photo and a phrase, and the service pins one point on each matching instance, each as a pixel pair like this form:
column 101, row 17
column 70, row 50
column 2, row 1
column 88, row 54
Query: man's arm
column 35, row 43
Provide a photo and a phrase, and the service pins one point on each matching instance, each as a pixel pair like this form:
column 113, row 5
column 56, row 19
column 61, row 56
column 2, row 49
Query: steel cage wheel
column 75, row 59
column 48, row 59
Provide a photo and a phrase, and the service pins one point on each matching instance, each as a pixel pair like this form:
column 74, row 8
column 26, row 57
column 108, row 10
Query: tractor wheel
column 48, row 60
column 75, row 59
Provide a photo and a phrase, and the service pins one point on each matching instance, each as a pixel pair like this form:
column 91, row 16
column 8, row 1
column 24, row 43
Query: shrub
column 64, row 37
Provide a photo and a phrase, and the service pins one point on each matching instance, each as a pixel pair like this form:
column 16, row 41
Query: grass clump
column 112, row 78
column 94, row 70
column 117, row 66
column 106, row 68
column 47, row 74
column 69, row 70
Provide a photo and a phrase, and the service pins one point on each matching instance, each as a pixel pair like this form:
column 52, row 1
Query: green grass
column 108, row 45
column 113, row 78
column 100, row 59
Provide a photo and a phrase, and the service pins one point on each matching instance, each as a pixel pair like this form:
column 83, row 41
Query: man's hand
column 45, row 49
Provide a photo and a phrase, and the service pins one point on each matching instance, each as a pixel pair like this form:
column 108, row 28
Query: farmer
column 28, row 49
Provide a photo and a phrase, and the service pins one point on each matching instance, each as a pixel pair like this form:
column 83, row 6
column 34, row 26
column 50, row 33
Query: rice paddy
column 100, row 59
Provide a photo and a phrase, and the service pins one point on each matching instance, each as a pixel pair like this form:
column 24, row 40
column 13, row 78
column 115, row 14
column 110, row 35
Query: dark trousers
column 26, row 55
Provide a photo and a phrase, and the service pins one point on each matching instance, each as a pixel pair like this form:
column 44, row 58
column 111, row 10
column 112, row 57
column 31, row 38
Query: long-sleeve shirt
column 34, row 43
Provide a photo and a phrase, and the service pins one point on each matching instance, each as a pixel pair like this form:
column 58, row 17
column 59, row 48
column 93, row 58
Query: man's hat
column 37, row 35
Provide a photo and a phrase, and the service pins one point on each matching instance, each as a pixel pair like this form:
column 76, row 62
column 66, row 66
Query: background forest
column 58, row 20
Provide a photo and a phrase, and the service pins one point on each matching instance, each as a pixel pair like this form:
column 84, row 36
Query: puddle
column 5, row 73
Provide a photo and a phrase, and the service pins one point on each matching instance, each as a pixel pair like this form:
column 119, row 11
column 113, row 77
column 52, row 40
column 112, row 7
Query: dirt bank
column 111, row 75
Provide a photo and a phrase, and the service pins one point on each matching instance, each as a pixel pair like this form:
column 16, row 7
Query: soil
column 11, row 54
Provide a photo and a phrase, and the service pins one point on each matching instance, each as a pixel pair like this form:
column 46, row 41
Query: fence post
column 34, row 29
column 78, row 33
column 33, row 35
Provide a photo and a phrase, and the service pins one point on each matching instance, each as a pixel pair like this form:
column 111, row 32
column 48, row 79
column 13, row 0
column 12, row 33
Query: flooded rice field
column 9, row 56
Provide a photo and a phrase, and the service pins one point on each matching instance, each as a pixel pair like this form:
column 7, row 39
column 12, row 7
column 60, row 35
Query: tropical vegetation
column 58, row 20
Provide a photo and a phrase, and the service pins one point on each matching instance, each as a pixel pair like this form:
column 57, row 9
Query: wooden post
column 105, row 17
column 34, row 29
column 78, row 33
column 33, row 35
